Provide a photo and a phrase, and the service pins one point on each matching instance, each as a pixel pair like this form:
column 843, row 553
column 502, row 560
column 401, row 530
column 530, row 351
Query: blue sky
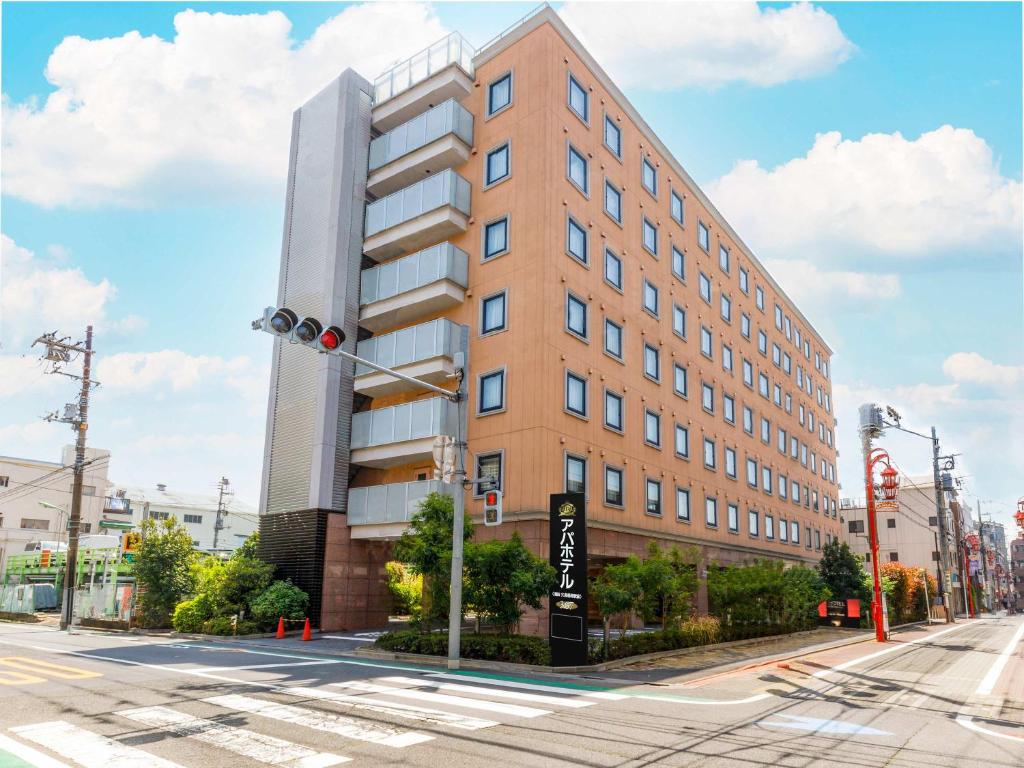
column 905, row 119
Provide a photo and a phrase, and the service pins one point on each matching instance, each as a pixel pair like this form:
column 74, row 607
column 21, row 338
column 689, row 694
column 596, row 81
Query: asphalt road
column 948, row 696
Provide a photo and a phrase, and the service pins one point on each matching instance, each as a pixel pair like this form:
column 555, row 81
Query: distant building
column 1017, row 573
column 198, row 513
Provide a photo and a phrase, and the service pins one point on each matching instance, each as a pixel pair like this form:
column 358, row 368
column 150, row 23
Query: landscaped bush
column 189, row 615
column 520, row 649
column 282, row 598
column 764, row 598
column 905, row 593
column 692, row 632
column 222, row 625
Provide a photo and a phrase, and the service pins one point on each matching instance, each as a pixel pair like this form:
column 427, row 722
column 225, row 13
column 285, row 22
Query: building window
column 680, row 385
column 794, row 491
column 723, row 258
column 730, row 462
column 649, row 177
column 5, row 481
column 678, row 264
column 777, row 354
column 748, row 373
column 682, row 446
column 650, row 236
column 759, row 297
column 676, row 207
column 783, row 487
column 575, row 474
column 652, row 362
column 729, row 408
column 807, row 534
column 709, row 453
column 496, row 238
column 576, row 241
column 613, row 339
column 577, row 170
column 492, row 313
column 762, row 342
column 891, row 522
column 703, row 236
column 613, row 137
column 726, row 308
column 488, row 469
column 35, row 524
column 576, row 316
column 777, row 394
column 753, row 522
column 707, row 397
column 794, row 531
column 492, row 392
column 705, row 342
column 612, row 201
column 579, row 100
column 769, row 527
column 766, row 430
column 650, row 297
column 499, row 94
column 679, row 321
column 653, row 497
column 762, row 384
column 734, row 517
column 613, row 486
column 193, row 519
column 781, row 440
column 783, row 530
column 752, row 473
column 787, row 363
column 612, row 269
column 497, row 166
column 711, row 511
column 748, row 419
column 683, row 504
column 778, row 317
column 705, row 287
column 575, row 394
column 652, row 429
column 744, row 281
column 613, row 410
column 766, row 479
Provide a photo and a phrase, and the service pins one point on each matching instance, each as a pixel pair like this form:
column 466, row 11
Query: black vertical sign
column 567, row 626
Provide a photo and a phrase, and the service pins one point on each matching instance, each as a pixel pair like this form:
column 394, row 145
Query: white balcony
column 441, row 72
column 417, row 216
column 424, row 352
column 402, row 291
column 401, row 434
column 384, row 511
column 432, row 141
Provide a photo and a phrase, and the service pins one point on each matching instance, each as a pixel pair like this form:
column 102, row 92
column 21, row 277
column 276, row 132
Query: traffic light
column 492, row 508
column 283, row 322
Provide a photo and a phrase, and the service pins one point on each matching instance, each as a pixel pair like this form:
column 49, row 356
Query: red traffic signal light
column 492, row 508
column 490, row 498
column 332, row 338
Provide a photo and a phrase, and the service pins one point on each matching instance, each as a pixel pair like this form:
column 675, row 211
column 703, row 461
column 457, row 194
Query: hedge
column 519, row 649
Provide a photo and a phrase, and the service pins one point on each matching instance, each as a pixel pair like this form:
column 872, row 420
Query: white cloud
column 972, row 368
column 169, row 369
column 882, row 193
column 21, row 374
column 134, row 119
column 671, row 45
column 810, row 286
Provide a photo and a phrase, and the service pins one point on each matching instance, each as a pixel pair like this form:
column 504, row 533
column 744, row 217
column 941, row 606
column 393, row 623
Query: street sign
column 567, row 602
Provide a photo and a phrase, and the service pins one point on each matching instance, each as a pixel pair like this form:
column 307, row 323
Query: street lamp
column 1019, row 516
column 60, row 519
column 890, row 486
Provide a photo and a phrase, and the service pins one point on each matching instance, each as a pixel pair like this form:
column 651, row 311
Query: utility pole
column 218, row 524
column 943, row 564
column 59, row 351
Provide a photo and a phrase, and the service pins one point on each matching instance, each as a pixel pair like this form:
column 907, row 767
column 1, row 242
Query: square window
column 652, row 429
column 650, row 236
column 709, row 453
column 729, row 408
column 744, row 281
column 680, row 385
column 650, row 297
column 682, row 441
column 676, row 207
column 723, row 258
column 653, row 497
column 683, row 504
column 499, row 94
column 649, row 177
column 492, row 392
column 579, row 100
column 613, row 486
column 734, row 517
column 613, row 339
column 753, row 519
column 578, row 170
column 652, row 362
column 679, row 321
column 711, row 511
column 492, row 313
column 613, row 410
column 703, row 236
column 575, row 394
column 576, row 241
column 612, row 201
column 575, row 474
column 497, row 165
column 730, row 462
column 576, row 316
column 612, row 136
column 496, row 238
column 488, row 469
column 707, row 397
column 612, row 269
column 705, row 287
column 678, row 264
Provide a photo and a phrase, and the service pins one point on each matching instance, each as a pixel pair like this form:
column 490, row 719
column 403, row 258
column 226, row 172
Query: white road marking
column 892, row 649
column 989, row 681
column 31, row 756
column 381, row 706
column 88, row 748
column 349, row 637
column 573, row 702
column 321, row 721
column 968, row 722
column 256, row 746
column 483, row 705
column 531, row 686
column 817, row 725
column 269, row 666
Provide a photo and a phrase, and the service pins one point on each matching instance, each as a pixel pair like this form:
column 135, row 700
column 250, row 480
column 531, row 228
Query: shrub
column 282, row 598
column 406, row 588
column 189, row 615
column 693, row 632
column 163, row 570
column 504, row 576
column 519, row 649
column 222, row 625
column 765, row 598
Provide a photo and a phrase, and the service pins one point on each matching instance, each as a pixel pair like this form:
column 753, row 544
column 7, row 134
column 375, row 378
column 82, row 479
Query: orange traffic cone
column 280, row 629
column 306, row 632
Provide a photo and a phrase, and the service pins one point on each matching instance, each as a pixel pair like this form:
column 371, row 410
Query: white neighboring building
column 197, row 512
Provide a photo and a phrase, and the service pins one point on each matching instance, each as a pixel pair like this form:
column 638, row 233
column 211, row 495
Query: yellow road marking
column 11, row 677
column 47, row 668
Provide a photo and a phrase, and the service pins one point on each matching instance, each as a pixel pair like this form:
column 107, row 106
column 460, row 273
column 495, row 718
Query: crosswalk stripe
column 265, row 749
column 573, row 702
column 606, row 695
column 484, row 705
column 383, row 707
column 321, row 721
column 29, row 755
column 87, row 748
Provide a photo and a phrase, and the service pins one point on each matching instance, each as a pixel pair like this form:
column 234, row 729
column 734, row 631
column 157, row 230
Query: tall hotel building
column 511, row 204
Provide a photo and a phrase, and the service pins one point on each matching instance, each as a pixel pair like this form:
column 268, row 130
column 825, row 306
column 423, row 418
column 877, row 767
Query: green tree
column 616, row 590
column 250, row 547
column 668, row 580
column 843, row 574
column 426, row 547
column 280, row 599
column 163, row 569
column 504, row 576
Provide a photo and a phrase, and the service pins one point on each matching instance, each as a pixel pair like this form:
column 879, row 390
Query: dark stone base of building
column 355, row 591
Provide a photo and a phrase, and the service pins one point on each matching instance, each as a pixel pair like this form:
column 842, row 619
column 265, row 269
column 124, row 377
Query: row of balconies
column 421, row 202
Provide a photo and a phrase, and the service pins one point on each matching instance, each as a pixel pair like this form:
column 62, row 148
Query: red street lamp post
column 1019, row 516
column 890, row 486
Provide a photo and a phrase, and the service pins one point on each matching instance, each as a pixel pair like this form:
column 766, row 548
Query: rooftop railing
column 452, row 49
